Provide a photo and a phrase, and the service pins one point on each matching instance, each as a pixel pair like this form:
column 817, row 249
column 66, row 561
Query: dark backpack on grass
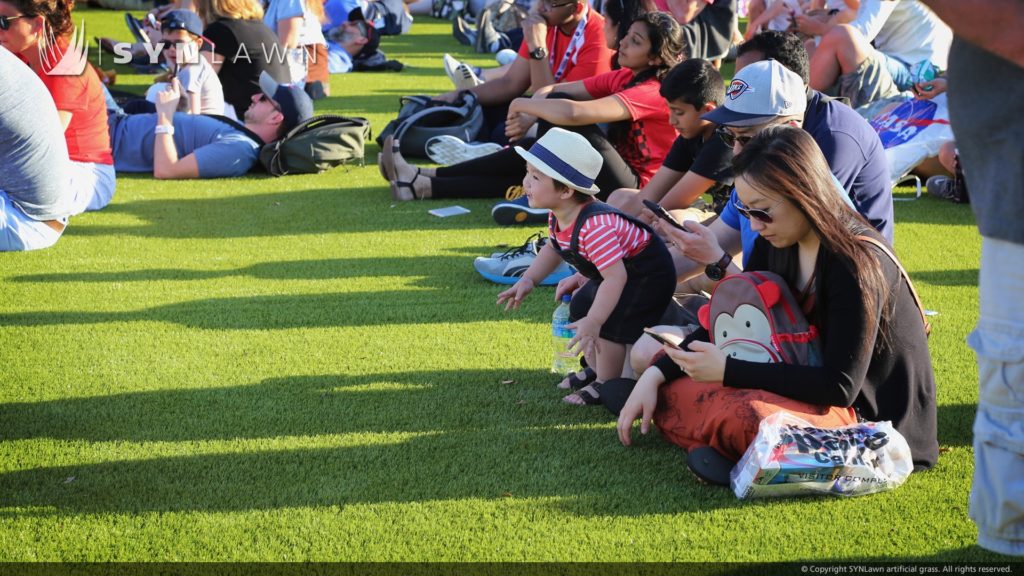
column 316, row 145
column 420, row 118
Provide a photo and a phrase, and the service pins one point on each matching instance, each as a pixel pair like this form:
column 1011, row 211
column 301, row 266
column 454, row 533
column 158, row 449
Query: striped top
column 604, row 239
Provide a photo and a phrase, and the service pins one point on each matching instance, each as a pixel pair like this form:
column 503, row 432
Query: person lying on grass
column 628, row 266
column 875, row 362
column 172, row 145
column 628, row 99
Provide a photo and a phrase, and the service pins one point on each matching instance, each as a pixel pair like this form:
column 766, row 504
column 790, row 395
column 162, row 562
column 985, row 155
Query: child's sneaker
column 518, row 211
column 940, row 187
column 509, row 266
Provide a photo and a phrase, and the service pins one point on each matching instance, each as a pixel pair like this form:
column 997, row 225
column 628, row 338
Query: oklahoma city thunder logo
column 737, row 88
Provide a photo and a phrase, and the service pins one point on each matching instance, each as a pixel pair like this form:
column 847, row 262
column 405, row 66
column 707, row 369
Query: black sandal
column 575, row 382
column 585, row 395
column 397, row 185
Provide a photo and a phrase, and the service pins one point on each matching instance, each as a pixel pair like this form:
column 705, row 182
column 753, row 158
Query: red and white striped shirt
column 604, row 239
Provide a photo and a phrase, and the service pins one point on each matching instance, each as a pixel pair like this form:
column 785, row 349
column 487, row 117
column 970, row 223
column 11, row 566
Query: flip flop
column 708, row 465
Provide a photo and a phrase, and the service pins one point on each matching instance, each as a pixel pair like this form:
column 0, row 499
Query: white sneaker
column 461, row 75
column 506, row 56
column 447, row 150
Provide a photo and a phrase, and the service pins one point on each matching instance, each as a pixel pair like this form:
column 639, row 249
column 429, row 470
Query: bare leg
column 494, row 73
column 841, row 51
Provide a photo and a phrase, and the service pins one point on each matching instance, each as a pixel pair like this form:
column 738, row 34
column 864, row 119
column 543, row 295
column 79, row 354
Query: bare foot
column 410, row 182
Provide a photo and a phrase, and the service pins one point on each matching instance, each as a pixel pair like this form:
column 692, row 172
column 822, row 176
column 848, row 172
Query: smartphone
column 664, row 215
column 670, row 340
column 152, row 21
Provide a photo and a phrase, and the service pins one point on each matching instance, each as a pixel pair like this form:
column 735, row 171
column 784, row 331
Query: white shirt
column 904, row 29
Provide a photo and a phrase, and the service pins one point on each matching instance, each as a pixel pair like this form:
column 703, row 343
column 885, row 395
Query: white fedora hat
column 567, row 157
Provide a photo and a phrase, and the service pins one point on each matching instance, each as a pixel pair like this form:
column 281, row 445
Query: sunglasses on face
column 731, row 139
column 758, row 214
column 5, row 21
column 265, row 98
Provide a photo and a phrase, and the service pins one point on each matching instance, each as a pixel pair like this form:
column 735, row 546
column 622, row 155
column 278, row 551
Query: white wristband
column 164, row 130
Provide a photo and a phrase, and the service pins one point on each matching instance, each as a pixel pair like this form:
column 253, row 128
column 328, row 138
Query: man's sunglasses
column 731, row 139
column 5, row 21
column 265, row 98
column 758, row 214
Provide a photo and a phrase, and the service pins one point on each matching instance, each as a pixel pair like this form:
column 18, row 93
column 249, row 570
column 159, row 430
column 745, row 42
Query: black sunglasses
column 552, row 6
column 5, row 21
column 758, row 214
column 265, row 98
column 731, row 139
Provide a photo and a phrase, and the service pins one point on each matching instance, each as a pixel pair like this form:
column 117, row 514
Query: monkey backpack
column 753, row 316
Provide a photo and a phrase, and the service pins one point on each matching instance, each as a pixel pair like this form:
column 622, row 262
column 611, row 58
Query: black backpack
column 421, row 118
column 388, row 16
column 316, row 145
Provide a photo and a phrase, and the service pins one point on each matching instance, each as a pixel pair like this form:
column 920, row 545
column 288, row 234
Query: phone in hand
column 664, row 215
column 670, row 340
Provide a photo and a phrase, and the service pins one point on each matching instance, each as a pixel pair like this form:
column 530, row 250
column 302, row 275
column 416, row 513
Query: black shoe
column 709, row 465
column 487, row 38
column 462, row 32
column 136, row 28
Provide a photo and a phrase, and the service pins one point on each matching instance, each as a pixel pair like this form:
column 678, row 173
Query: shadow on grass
column 962, row 277
column 378, row 308
column 443, row 436
column 315, row 211
column 426, row 267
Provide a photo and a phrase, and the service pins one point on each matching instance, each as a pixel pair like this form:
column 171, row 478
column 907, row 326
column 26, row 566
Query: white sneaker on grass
column 506, row 56
column 461, row 75
column 447, row 150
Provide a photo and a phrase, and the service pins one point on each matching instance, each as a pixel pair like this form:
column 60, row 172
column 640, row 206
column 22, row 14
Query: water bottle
column 922, row 72
column 563, row 361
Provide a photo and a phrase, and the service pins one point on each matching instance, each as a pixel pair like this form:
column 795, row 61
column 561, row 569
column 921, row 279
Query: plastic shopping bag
column 790, row 457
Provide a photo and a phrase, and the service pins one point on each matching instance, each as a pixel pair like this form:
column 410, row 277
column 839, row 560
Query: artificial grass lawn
column 298, row 369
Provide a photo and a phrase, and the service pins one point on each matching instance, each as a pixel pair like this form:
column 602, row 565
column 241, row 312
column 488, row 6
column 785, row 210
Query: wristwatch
column 716, row 271
column 539, row 53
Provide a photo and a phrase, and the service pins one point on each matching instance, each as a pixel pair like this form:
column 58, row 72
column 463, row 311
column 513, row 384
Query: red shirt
column 650, row 137
column 593, row 57
column 87, row 135
column 604, row 239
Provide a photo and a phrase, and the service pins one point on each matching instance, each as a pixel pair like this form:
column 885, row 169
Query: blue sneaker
column 518, row 211
column 509, row 267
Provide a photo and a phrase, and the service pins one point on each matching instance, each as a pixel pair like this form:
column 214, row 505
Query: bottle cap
column 566, row 298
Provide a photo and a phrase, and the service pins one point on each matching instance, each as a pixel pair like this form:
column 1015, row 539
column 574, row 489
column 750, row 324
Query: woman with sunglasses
column 633, row 149
column 875, row 362
column 38, row 32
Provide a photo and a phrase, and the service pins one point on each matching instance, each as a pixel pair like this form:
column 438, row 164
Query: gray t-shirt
column 33, row 153
column 984, row 94
column 200, row 80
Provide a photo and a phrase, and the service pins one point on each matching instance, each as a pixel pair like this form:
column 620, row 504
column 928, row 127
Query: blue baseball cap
column 186, row 20
column 295, row 104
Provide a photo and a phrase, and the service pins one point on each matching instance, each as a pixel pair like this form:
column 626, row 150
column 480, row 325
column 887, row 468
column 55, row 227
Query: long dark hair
column 666, row 39
column 56, row 14
column 787, row 162
column 622, row 13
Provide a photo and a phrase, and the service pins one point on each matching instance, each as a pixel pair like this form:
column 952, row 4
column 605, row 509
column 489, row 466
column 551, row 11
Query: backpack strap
column 238, row 126
column 903, row 272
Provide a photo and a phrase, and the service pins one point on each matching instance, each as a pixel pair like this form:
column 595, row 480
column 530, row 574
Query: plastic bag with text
column 790, row 457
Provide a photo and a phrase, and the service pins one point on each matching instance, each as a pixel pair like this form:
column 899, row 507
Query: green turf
column 299, row 369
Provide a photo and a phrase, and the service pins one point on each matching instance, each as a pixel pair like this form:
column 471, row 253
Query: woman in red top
column 39, row 32
column 634, row 148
